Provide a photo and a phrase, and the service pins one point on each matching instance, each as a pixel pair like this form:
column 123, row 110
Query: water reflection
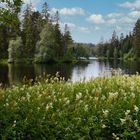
column 65, row 70
column 17, row 73
column 13, row 74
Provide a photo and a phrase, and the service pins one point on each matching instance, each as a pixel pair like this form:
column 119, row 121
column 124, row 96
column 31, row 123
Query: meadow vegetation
column 100, row 109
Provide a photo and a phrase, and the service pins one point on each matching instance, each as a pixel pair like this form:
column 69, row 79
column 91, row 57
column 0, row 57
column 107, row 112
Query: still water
column 14, row 73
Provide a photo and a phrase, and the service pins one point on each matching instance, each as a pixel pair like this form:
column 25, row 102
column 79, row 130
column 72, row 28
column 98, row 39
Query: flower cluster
column 102, row 108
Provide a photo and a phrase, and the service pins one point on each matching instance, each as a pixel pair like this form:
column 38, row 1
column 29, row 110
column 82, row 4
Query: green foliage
column 45, row 50
column 15, row 50
column 115, row 53
column 69, row 55
column 32, row 26
column 116, row 48
column 136, row 33
column 80, row 51
column 103, row 108
column 4, row 41
column 42, row 38
column 8, row 16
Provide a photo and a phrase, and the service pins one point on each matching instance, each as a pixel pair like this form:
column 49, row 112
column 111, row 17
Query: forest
column 27, row 35
column 123, row 47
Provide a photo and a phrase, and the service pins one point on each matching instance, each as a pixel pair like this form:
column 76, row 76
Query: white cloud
column 34, row 2
column 112, row 21
column 131, row 5
column 114, row 15
column 135, row 14
column 70, row 11
column 84, row 29
column 126, row 20
column 71, row 26
column 97, row 28
column 96, row 18
column 118, row 28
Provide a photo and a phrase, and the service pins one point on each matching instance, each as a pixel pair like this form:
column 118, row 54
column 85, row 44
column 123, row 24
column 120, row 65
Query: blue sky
column 91, row 20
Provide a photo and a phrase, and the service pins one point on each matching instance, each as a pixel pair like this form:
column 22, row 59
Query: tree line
column 123, row 47
column 36, row 36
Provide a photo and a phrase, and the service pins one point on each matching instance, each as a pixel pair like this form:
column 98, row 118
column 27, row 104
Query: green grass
column 101, row 109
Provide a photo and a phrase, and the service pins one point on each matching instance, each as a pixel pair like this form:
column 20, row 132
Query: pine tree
column 136, row 33
column 45, row 12
column 59, row 47
column 121, row 45
column 115, row 45
column 28, row 32
column 31, row 30
column 67, row 39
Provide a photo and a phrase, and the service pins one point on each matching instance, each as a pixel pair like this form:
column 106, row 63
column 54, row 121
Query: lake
column 14, row 73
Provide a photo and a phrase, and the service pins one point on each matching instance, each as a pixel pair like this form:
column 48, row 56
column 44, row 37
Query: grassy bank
column 101, row 109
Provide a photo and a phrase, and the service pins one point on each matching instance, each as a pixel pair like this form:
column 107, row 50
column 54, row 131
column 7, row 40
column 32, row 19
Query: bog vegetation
column 103, row 108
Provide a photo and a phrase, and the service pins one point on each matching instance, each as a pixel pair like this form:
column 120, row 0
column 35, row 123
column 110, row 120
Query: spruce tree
column 67, row 39
column 31, row 29
column 136, row 33
column 59, row 48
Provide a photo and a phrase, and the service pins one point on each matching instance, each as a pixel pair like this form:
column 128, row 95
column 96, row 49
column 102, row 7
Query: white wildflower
column 78, row 96
column 90, row 98
column 67, row 102
column 96, row 99
column 103, row 97
column 86, row 108
column 123, row 121
column 136, row 123
column 103, row 126
column 115, row 136
column 127, row 112
column 105, row 113
column 124, row 94
column 136, row 109
column 48, row 106
column 14, row 124
column 28, row 96
column 113, row 95
column 133, row 96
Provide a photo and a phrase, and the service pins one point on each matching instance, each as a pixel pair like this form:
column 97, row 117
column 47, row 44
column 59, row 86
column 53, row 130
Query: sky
column 91, row 20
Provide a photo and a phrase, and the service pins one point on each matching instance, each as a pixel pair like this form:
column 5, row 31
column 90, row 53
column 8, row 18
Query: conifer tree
column 136, row 33
column 59, row 48
column 67, row 39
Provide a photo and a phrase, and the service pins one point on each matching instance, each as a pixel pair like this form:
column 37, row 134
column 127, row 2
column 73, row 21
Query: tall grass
column 100, row 109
